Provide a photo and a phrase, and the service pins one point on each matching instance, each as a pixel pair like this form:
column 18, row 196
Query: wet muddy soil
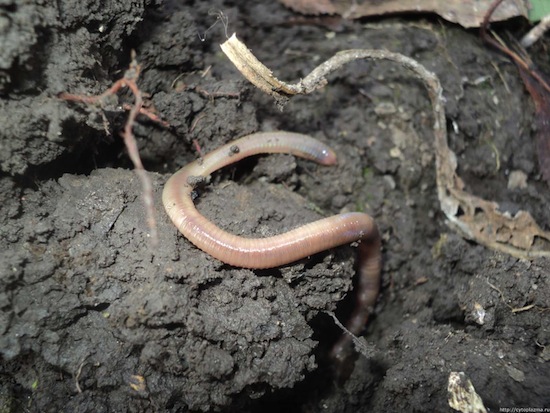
column 95, row 319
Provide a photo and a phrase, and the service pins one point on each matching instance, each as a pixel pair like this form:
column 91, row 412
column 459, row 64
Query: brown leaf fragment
column 493, row 228
column 467, row 13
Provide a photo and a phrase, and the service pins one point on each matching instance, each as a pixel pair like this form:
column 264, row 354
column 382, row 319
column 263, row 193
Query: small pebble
column 385, row 108
column 517, row 180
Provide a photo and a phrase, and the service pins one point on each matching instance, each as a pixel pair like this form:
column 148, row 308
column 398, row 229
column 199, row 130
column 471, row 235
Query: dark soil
column 93, row 319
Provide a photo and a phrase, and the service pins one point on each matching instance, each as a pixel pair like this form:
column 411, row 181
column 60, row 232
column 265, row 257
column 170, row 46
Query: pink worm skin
column 284, row 248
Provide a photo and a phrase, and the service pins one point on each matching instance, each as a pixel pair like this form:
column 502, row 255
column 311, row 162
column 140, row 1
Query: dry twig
column 129, row 80
column 474, row 217
column 536, row 32
column 512, row 309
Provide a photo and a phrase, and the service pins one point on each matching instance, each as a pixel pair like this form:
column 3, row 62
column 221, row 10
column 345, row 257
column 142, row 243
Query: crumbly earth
column 94, row 319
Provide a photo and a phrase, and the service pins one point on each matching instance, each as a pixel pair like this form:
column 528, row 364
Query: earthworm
column 285, row 248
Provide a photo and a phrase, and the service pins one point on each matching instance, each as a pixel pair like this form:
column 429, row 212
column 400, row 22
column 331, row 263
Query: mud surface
column 95, row 320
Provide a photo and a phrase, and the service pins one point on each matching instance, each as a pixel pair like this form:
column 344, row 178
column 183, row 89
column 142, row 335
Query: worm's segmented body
column 284, row 248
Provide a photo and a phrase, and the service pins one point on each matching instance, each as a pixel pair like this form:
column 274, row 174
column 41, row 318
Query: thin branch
column 129, row 80
column 474, row 217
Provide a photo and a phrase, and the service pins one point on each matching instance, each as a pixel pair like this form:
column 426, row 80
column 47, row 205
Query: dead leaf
column 467, row 13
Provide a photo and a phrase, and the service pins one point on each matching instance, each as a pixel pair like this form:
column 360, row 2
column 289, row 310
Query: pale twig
column 472, row 216
column 362, row 347
column 78, row 373
column 512, row 309
column 536, row 32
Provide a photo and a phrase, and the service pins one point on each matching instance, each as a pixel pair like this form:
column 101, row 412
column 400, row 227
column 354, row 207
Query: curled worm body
column 284, row 248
